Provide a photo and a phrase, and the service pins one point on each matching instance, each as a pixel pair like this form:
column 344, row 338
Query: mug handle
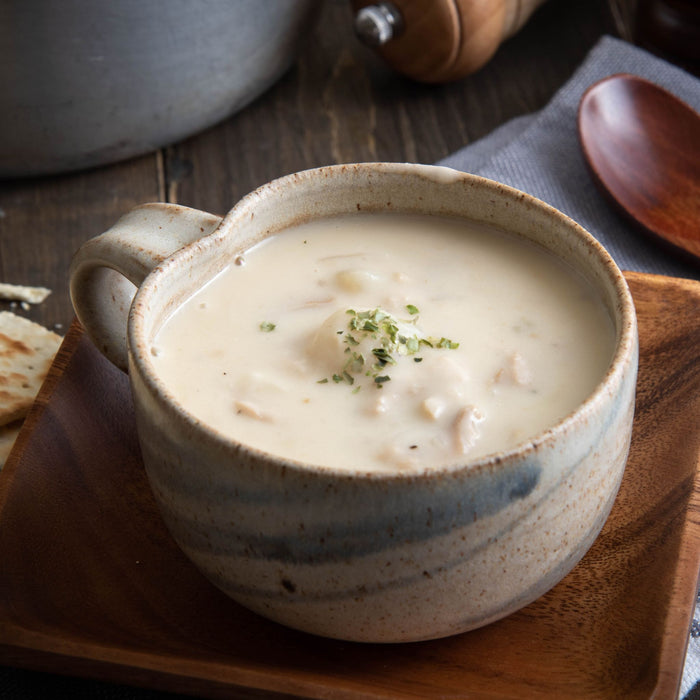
column 107, row 270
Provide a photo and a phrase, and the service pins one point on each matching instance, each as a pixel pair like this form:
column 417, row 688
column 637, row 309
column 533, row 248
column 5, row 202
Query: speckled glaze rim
column 140, row 358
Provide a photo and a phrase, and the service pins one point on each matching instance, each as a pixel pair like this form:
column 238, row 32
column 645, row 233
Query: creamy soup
column 387, row 342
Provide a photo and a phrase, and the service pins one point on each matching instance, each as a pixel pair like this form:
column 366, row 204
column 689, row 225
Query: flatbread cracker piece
column 26, row 352
column 8, row 435
column 18, row 292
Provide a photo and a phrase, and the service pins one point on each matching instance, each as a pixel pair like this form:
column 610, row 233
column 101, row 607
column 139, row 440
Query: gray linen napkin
column 540, row 154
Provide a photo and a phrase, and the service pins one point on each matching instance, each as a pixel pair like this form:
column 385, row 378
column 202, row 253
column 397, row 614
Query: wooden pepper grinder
column 437, row 41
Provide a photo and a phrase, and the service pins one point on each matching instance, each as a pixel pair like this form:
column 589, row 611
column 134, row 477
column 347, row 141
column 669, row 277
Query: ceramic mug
column 364, row 557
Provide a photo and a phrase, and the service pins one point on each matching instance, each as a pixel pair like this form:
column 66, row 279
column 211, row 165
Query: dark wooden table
column 339, row 103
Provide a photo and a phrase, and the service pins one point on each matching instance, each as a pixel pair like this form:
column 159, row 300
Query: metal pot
column 88, row 82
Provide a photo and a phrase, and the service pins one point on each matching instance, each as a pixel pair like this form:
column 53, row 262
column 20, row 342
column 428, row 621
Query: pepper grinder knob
column 375, row 25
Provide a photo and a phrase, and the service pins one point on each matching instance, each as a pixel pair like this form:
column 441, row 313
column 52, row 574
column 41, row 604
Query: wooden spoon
column 643, row 147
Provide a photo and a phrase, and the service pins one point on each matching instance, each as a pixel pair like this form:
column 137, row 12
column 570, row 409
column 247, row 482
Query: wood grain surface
column 445, row 40
column 92, row 584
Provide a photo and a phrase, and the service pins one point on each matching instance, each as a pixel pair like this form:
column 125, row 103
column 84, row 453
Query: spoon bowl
column 642, row 145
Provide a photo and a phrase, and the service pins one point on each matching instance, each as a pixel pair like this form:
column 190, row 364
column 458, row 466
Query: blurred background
column 229, row 99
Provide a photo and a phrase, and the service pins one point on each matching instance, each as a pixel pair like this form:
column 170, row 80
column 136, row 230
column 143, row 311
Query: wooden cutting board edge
column 682, row 598
column 687, row 575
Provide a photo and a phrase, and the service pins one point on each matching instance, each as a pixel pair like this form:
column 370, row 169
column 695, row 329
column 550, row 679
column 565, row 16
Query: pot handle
column 107, row 270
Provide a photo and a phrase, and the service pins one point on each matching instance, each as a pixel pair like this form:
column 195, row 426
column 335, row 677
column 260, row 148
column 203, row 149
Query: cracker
column 26, row 352
column 8, row 435
column 18, row 292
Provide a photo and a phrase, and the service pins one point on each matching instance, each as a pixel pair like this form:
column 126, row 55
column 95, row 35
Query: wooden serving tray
column 92, row 585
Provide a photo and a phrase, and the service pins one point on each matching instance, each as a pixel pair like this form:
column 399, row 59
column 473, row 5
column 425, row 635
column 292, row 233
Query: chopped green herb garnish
column 322, row 381
column 381, row 329
column 412, row 344
column 355, row 363
column 392, row 330
column 267, row 326
column 383, row 356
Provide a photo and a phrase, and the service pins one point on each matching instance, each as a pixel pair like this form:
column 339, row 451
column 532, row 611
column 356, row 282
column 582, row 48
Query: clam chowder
column 387, row 342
